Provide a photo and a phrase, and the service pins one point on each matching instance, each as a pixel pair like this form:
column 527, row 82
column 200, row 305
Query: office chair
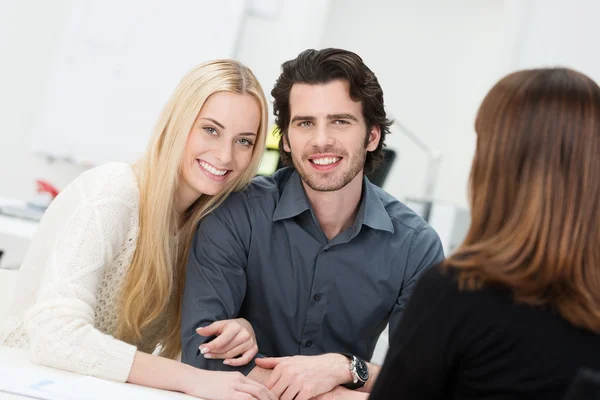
column 378, row 176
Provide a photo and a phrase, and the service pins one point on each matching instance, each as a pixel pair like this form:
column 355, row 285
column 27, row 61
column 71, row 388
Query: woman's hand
column 234, row 337
column 214, row 385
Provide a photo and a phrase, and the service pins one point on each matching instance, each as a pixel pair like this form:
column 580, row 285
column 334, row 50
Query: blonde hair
column 154, row 283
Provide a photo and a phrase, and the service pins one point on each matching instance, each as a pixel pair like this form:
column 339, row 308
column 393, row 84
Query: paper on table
column 43, row 385
column 27, row 382
column 89, row 388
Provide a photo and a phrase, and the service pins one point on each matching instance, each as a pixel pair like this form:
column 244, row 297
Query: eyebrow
column 329, row 117
column 342, row 116
column 214, row 121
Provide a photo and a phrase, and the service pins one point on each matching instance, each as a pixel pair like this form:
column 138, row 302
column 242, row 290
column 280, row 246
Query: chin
column 209, row 190
column 213, row 188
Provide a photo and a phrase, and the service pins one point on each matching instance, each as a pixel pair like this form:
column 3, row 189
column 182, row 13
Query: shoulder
column 102, row 202
column 439, row 279
column 400, row 213
column 438, row 287
column 442, row 280
column 407, row 223
column 265, row 187
column 262, row 193
column 110, row 191
column 113, row 181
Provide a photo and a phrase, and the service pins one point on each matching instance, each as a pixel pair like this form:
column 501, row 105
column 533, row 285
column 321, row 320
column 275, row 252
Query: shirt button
column 317, row 297
column 308, row 343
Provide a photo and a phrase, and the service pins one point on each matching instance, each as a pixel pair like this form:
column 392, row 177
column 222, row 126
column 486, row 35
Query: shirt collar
column 293, row 202
column 372, row 212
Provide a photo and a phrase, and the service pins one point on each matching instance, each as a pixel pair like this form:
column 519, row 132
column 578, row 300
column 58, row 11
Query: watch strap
column 352, row 385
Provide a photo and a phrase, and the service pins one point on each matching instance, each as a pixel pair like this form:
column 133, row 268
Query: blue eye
column 246, row 142
column 210, row 130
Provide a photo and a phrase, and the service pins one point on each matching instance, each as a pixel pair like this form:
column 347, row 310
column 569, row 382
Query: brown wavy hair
column 323, row 66
column 535, row 191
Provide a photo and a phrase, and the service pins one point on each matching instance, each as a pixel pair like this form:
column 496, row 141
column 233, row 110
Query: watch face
column 362, row 370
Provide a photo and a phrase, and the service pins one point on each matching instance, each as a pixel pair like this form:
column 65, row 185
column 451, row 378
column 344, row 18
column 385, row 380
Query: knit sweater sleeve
column 91, row 216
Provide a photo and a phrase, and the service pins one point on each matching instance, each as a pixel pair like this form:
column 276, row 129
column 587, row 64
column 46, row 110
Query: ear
column 286, row 144
column 374, row 137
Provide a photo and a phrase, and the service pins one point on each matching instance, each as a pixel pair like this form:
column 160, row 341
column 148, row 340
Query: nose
column 322, row 136
column 224, row 153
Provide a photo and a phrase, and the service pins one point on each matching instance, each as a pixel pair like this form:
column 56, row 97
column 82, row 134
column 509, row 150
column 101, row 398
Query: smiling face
column 219, row 145
column 327, row 135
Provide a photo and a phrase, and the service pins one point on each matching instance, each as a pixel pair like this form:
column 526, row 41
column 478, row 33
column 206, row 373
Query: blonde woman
column 100, row 289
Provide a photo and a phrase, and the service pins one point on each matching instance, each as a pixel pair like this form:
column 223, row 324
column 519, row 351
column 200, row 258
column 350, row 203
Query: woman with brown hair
column 515, row 312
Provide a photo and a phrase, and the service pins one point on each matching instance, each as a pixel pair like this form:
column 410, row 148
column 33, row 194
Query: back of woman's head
column 535, row 186
column 153, row 286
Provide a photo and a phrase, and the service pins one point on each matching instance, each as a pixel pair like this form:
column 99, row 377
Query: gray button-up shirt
column 262, row 256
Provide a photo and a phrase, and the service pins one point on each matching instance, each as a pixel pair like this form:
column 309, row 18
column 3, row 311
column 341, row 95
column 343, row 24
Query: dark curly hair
column 323, row 66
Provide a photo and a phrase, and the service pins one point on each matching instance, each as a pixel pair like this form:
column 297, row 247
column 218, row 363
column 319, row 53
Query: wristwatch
column 359, row 370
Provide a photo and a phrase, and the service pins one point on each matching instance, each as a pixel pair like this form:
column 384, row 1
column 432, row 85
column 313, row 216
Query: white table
column 15, row 235
column 17, row 360
column 21, row 228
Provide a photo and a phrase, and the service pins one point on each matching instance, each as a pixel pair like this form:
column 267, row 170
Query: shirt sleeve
column 60, row 324
column 425, row 251
column 424, row 348
column 215, row 284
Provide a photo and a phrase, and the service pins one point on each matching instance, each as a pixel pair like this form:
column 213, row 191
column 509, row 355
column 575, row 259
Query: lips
column 213, row 172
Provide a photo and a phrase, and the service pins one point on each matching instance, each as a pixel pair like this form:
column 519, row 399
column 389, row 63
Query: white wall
column 435, row 61
column 558, row 33
column 268, row 42
column 29, row 35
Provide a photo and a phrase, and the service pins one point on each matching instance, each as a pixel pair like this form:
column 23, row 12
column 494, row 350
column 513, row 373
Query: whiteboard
column 116, row 65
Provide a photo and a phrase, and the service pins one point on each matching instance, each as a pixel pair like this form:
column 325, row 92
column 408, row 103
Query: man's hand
column 235, row 337
column 302, row 377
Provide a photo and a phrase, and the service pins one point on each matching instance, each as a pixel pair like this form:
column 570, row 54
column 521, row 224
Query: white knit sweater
column 64, row 310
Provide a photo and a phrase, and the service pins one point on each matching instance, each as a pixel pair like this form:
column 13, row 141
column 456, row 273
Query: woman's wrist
column 192, row 377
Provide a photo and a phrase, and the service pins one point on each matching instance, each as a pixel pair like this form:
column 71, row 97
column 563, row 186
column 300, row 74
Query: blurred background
column 82, row 81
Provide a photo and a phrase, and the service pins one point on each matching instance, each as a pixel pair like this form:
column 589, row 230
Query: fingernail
column 226, row 362
column 207, row 355
column 203, row 350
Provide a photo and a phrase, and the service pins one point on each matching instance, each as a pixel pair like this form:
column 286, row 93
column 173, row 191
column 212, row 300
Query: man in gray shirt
column 316, row 257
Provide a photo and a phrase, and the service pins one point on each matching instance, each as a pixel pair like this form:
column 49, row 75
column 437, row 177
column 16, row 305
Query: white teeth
column 213, row 170
column 325, row 160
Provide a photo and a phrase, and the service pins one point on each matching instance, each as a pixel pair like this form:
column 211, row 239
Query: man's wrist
column 342, row 368
column 259, row 374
